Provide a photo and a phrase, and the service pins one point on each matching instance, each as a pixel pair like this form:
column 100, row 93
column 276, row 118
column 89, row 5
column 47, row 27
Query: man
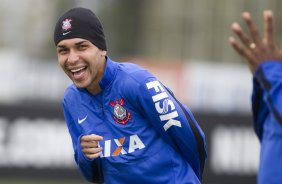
column 125, row 125
column 265, row 62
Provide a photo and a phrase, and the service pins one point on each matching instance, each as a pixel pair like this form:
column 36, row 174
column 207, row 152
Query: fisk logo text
column 162, row 104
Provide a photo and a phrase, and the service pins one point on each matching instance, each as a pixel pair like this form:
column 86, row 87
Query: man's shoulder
column 71, row 93
column 71, row 89
column 134, row 72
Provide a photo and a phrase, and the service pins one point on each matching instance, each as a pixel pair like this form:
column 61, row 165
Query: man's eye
column 62, row 51
column 82, row 46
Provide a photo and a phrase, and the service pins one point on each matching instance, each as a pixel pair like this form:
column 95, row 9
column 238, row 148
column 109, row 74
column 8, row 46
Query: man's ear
column 103, row 53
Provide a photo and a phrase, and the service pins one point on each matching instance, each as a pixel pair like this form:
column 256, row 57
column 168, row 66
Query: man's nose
column 73, row 57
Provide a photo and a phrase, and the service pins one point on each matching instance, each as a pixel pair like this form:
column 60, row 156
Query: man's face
column 82, row 61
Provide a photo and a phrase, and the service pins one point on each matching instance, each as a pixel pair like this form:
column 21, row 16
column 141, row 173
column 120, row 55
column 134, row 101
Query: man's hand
column 89, row 145
column 253, row 48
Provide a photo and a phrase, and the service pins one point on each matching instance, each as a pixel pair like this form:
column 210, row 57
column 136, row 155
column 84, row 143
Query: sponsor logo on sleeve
column 164, row 106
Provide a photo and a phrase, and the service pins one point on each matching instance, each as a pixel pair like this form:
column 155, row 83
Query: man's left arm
column 174, row 122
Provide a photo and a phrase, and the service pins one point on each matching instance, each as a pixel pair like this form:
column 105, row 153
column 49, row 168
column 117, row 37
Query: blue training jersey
column 148, row 135
column 267, row 113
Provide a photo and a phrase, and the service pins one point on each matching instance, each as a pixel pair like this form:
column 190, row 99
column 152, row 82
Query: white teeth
column 77, row 70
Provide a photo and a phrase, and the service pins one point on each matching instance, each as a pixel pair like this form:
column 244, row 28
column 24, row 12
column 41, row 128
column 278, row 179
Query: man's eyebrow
column 78, row 43
column 61, row 46
column 81, row 42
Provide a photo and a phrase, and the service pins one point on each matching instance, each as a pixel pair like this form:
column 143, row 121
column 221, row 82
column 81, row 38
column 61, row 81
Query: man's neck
column 95, row 89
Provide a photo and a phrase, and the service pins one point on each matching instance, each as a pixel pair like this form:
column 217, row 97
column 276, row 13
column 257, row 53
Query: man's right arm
column 88, row 166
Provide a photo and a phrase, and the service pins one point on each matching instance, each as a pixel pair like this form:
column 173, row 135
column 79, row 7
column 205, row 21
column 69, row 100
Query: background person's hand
column 253, row 48
column 89, row 145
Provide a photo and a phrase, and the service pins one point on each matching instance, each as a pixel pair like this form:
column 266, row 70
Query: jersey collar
column 109, row 73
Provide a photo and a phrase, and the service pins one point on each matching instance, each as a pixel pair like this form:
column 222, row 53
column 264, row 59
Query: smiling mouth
column 78, row 73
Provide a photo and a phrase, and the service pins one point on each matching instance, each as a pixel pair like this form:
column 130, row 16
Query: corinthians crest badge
column 121, row 115
column 66, row 24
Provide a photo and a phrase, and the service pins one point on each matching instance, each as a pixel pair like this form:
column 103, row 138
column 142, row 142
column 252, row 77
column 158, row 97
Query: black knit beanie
column 80, row 23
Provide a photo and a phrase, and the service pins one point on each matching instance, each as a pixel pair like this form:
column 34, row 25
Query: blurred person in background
column 265, row 62
column 125, row 125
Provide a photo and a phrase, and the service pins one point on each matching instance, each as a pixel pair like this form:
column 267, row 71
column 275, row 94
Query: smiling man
column 83, row 62
column 125, row 125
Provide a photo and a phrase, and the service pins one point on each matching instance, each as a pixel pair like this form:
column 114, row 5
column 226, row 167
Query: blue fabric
column 150, row 142
column 267, row 108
